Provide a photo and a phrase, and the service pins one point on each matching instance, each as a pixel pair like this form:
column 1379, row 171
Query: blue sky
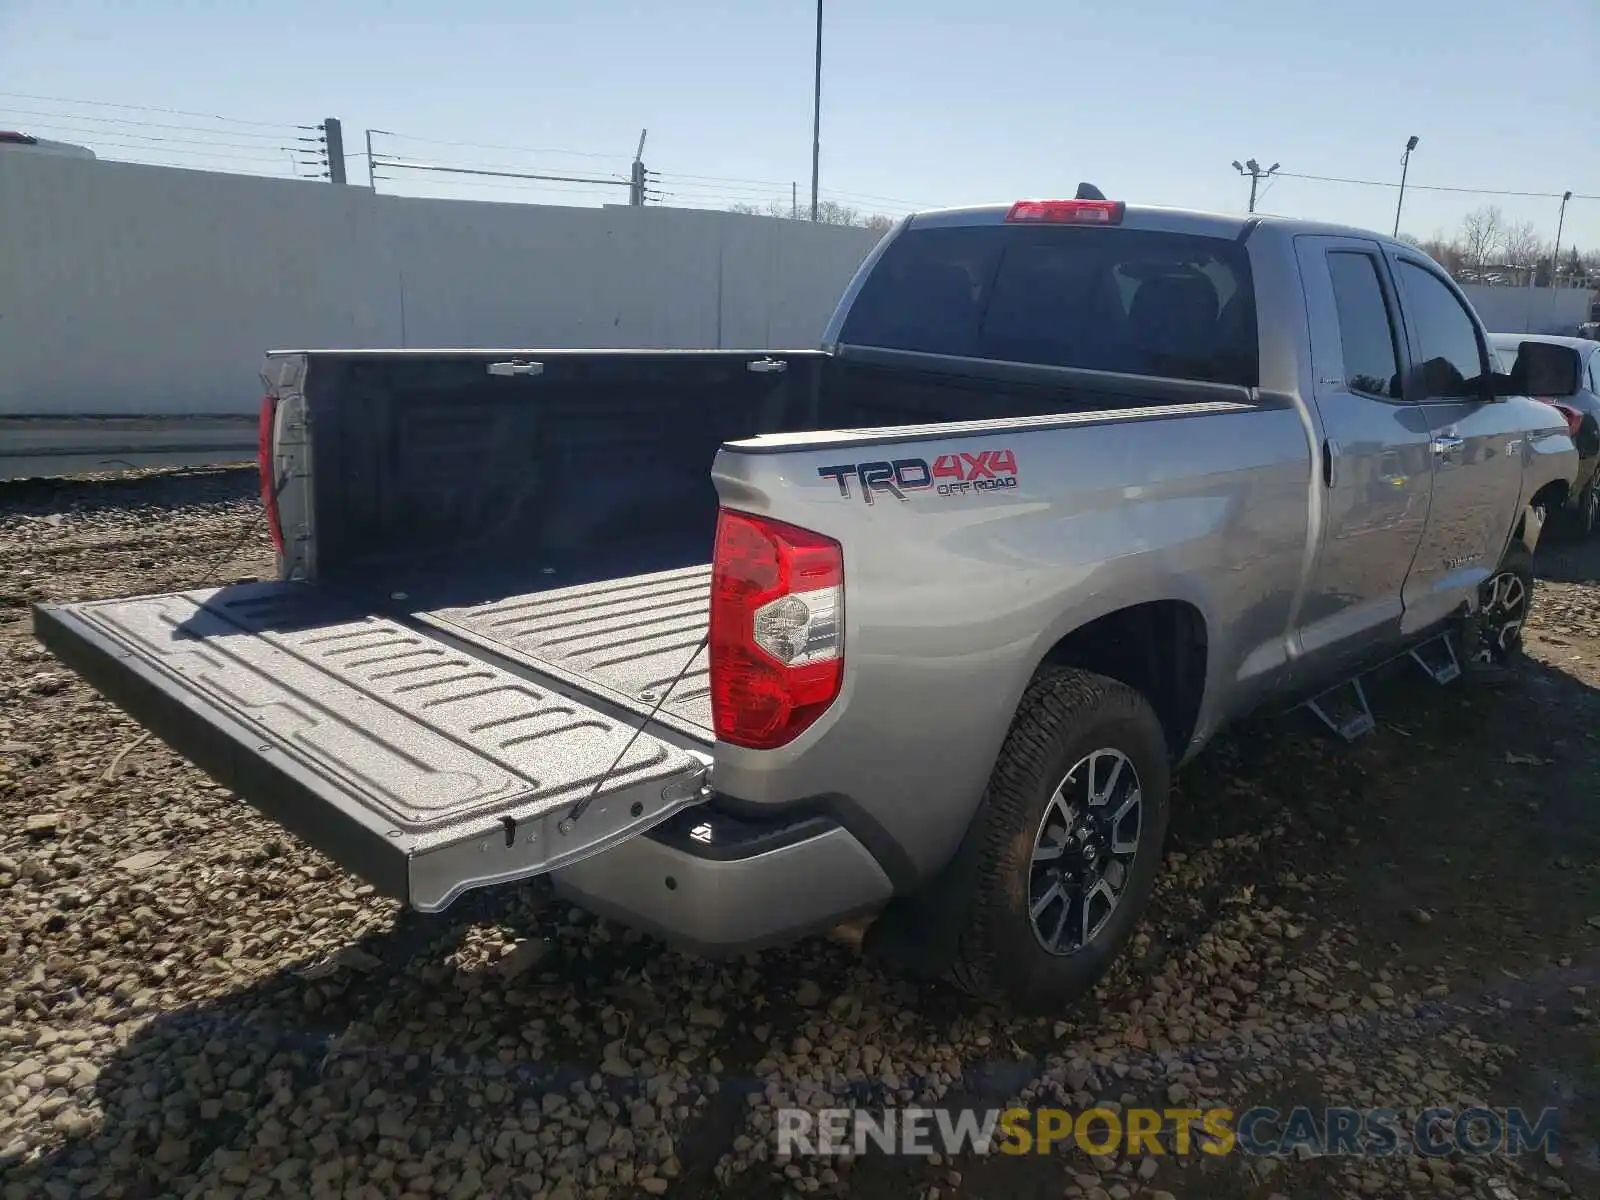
column 925, row 103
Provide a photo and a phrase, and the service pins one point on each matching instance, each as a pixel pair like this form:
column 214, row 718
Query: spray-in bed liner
column 427, row 765
column 626, row 640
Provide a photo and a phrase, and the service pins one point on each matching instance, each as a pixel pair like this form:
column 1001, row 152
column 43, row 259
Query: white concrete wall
column 1529, row 310
column 134, row 289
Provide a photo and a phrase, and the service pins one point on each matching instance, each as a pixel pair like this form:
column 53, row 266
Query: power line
column 783, row 185
column 117, row 121
column 173, row 112
column 393, row 164
column 163, row 138
column 411, row 137
column 256, row 168
column 404, row 160
column 1435, row 187
column 253, row 156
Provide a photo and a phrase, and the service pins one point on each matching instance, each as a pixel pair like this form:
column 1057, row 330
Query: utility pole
column 636, row 182
column 1405, row 165
column 816, row 116
column 1253, row 169
column 333, row 148
column 794, row 200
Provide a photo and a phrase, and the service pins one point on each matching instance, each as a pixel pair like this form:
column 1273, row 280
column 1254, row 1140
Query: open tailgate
column 419, row 764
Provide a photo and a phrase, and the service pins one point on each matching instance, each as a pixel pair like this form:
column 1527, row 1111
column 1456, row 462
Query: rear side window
column 1128, row 300
column 1366, row 329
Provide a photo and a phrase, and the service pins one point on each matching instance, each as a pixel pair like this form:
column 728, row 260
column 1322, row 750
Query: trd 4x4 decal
column 948, row 475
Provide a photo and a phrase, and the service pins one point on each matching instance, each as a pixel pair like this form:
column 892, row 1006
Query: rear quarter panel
column 952, row 601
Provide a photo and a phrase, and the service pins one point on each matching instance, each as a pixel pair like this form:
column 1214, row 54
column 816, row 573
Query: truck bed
column 429, row 751
column 625, row 640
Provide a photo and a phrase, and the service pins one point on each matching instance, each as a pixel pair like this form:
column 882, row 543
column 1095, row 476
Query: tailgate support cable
column 583, row 805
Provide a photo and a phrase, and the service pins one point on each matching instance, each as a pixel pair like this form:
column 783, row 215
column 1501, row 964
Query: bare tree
column 1444, row 252
column 1481, row 231
column 829, row 212
column 1522, row 246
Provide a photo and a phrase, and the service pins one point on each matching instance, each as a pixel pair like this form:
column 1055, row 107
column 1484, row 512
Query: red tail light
column 1067, row 212
column 264, row 468
column 777, row 629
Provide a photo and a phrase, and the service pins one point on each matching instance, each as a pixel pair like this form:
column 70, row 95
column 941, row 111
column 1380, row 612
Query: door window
column 1452, row 361
column 1366, row 328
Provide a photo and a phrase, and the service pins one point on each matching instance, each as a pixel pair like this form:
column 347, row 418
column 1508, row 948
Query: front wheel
column 1587, row 516
column 1063, row 853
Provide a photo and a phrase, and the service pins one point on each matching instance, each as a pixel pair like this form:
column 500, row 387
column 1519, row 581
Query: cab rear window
column 1107, row 299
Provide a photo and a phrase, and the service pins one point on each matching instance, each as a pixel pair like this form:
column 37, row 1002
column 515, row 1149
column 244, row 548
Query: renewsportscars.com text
column 1436, row 1133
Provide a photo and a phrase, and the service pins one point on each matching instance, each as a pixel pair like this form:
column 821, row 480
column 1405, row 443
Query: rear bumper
column 712, row 884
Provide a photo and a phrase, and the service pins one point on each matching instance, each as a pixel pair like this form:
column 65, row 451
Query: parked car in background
column 733, row 645
column 1565, row 372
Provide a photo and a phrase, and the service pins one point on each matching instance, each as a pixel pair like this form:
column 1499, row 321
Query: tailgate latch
column 767, row 366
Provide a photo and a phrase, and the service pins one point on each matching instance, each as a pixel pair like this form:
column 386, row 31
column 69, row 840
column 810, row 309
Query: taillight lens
column 264, row 468
column 777, row 629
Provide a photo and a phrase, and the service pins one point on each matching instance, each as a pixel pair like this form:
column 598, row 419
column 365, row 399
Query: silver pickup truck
column 732, row 646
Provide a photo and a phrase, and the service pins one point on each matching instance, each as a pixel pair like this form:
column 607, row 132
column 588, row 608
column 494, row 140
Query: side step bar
column 1344, row 708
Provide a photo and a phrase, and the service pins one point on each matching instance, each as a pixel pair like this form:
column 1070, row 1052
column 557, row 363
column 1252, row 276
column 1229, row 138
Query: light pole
column 1555, row 258
column 1253, row 169
column 1405, row 165
column 816, row 116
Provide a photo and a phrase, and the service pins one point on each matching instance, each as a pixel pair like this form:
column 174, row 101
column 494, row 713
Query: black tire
column 1582, row 520
column 1063, row 717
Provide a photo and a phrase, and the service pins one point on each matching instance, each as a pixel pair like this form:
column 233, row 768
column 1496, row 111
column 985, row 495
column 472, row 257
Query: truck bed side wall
column 952, row 602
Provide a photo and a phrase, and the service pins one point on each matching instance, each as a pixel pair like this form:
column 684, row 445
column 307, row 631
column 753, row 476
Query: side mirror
column 1545, row 369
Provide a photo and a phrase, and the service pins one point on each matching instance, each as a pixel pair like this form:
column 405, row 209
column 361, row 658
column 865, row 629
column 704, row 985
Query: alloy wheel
column 1504, row 607
column 1083, row 851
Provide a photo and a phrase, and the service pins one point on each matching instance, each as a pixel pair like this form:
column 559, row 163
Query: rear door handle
column 1447, row 444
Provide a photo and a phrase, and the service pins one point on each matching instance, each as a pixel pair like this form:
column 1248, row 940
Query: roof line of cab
column 1154, row 217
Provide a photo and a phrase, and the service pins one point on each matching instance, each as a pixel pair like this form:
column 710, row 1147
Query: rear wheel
column 1063, row 853
column 1495, row 632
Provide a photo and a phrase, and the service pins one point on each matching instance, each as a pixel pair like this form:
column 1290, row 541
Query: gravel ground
column 194, row 1004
